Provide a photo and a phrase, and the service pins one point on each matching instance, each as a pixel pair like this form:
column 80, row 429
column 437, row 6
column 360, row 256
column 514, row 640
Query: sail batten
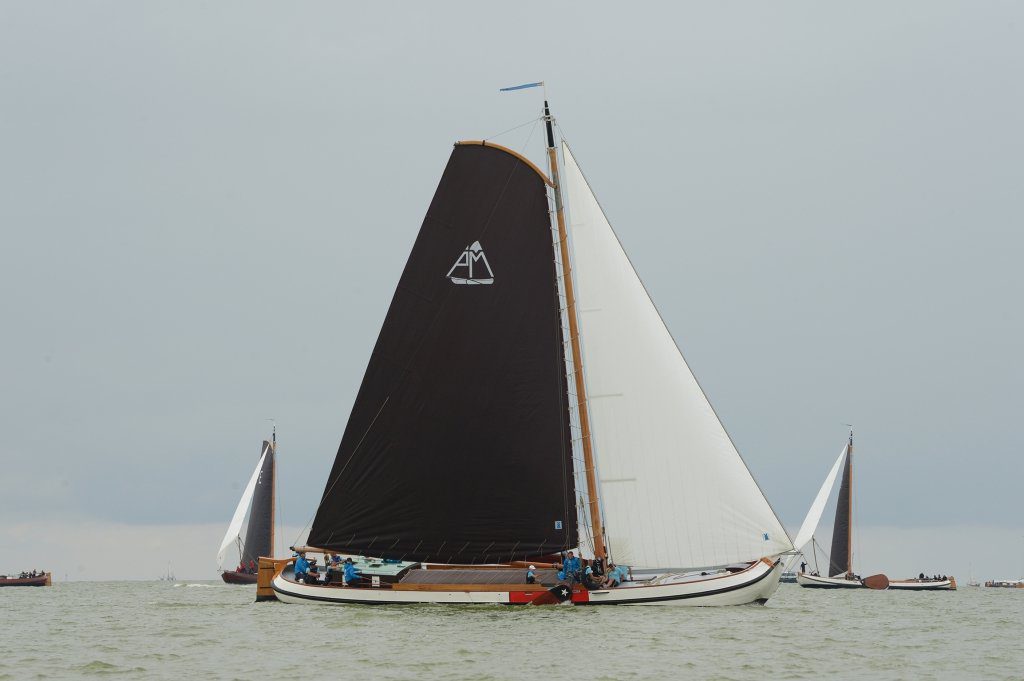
column 675, row 491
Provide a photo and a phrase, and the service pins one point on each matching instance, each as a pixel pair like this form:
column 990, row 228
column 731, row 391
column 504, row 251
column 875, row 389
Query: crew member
column 301, row 567
column 351, row 575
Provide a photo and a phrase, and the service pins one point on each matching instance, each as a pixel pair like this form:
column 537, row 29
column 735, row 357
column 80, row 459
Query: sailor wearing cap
column 531, row 575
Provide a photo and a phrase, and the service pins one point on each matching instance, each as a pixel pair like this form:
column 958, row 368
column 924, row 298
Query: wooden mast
column 600, row 551
column 273, row 487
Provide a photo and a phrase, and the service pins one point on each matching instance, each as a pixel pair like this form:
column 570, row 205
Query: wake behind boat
column 258, row 500
column 486, row 438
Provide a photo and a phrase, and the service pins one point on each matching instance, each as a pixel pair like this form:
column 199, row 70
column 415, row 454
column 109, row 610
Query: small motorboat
column 923, row 584
column 25, row 579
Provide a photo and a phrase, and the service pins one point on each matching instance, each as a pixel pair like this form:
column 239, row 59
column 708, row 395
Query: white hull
column 755, row 584
column 814, row 582
column 923, row 585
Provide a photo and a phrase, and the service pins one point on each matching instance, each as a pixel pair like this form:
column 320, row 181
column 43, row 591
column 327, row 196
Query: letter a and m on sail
column 472, row 267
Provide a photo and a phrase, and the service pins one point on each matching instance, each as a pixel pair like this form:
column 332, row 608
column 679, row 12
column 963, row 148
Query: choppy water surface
column 158, row 630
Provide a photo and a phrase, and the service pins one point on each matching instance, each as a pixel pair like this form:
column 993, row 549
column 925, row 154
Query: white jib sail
column 674, row 490
column 818, row 507
column 235, row 527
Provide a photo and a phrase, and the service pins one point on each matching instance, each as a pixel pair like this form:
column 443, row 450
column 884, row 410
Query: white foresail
column 235, row 527
column 674, row 490
column 814, row 514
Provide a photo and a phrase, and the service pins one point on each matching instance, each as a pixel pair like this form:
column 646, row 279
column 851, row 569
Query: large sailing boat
column 258, row 502
column 840, row 563
column 475, row 441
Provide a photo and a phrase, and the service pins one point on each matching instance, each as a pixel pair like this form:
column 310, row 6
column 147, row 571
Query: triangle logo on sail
column 471, row 267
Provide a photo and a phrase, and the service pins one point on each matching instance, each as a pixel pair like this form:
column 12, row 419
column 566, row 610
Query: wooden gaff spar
column 497, row 426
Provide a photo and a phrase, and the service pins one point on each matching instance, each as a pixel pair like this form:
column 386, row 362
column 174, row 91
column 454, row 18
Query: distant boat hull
column 231, row 577
column 1006, row 583
column 923, row 585
column 814, row 582
column 754, row 584
column 40, row 580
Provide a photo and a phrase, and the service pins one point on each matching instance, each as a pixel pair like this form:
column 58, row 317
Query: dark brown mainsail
column 259, row 535
column 457, row 449
column 840, row 557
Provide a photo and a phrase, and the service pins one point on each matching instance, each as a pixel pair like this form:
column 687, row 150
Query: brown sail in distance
column 259, row 536
column 840, row 556
column 457, row 449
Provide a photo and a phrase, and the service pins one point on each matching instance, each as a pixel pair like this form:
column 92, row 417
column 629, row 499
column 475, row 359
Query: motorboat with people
column 30, row 578
column 923, row 583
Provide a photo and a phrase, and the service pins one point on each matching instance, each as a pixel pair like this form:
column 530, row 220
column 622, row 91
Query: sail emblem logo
column 471, row 267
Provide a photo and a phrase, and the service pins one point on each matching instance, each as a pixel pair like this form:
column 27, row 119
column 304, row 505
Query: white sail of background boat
column 840, row 572
column 499, row 425
column 257, row 503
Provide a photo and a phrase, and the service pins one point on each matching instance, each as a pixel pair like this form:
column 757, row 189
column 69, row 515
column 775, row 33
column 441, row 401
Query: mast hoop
column 528, row 162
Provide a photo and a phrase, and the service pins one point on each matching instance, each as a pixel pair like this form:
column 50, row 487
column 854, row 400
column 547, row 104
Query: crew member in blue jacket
column 531, row 575
column 301, row 567
column 571, row 567
column 351, row 575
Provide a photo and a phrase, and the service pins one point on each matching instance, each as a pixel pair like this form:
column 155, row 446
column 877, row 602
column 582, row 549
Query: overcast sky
column 205, row 208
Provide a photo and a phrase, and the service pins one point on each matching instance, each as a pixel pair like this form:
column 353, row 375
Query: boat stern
column 269, row 568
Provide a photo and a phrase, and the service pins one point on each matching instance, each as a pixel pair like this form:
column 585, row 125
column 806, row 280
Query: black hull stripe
column 652, row 599
column 680, row 597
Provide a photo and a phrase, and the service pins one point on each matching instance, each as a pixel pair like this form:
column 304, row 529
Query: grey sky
column 206, row 206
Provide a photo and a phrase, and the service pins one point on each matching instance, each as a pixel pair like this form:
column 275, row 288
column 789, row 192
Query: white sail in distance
column 235, row 527
column 810, row 523
column 674, row 490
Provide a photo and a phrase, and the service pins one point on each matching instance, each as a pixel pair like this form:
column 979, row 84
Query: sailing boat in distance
column 840, row 571
column 473, row 452
column 258, row 500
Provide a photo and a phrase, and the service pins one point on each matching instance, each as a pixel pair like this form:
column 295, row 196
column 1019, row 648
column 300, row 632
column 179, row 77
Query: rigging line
column 521, row 125
column 529, row 137
column 351, row 456
column 564, row 415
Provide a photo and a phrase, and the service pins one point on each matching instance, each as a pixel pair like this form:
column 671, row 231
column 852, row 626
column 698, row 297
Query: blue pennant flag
column 521, row 87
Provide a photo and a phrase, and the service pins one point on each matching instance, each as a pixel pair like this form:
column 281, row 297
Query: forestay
column 810, row 523
column 235, row 527
column 674, row 490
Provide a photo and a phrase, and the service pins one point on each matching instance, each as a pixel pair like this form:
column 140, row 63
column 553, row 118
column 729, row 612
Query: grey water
column 208, row 630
